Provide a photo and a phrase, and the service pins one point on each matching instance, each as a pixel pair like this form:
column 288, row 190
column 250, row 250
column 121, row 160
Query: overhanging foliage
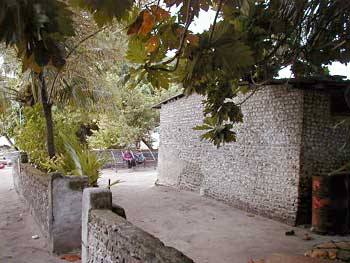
column 249, row 40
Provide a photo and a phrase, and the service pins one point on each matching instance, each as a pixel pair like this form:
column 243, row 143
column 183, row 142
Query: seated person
column 139, row 158
column 129, row 158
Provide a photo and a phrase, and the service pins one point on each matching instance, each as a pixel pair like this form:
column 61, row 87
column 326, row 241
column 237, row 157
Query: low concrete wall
column 54, row 201
column 109, row 238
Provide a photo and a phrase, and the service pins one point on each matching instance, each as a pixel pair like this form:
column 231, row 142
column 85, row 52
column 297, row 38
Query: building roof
column 177, row 96
column 336, row 82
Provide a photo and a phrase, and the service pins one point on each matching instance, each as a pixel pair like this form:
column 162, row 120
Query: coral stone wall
column 286, row 137
column 32, row 186
column 325, row 145
column 179, row 160
column 259, row 172
column 109, row 238
column 113, row 239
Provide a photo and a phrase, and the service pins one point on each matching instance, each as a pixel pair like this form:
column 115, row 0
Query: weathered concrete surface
column 65, row 212
column 17, row 227
column 204, row 229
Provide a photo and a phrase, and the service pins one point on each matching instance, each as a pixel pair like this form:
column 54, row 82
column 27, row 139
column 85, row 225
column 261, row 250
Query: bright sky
column 205, row 19
column 335, row 68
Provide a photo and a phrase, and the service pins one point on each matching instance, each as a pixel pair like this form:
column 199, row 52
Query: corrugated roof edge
column 305, row 83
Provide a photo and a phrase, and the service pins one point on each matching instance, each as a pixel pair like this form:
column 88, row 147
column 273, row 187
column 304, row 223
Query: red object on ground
column 70, row 258
column 330, row 204
column 2, row 165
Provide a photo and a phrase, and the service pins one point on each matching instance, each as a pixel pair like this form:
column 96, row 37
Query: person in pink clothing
column 129, row 158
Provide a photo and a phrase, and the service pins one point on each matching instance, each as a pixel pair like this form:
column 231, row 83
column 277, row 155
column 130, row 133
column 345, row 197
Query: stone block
column 108, row 237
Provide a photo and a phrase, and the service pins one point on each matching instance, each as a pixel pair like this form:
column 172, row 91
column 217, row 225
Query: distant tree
column 129, row 118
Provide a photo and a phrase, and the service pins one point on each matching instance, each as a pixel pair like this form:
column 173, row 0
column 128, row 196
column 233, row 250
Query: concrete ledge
column 112, row 238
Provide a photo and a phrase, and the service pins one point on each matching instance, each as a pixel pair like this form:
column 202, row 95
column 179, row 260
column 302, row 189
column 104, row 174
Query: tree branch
column 70, row 53
column 189, row 17
column 257, row 86
column 215, row 20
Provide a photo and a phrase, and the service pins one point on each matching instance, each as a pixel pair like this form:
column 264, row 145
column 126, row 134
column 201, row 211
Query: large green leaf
column 36, row 28
column 105, row 11
column 136, row 52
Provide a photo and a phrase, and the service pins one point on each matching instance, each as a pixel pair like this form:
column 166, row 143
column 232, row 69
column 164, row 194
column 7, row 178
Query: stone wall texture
column 325, row 145
column 286, row 137
column 32, row 186
column 55, row 201
column 110, row 238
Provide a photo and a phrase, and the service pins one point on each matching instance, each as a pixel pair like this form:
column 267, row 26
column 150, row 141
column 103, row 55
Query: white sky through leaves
column 205, row 19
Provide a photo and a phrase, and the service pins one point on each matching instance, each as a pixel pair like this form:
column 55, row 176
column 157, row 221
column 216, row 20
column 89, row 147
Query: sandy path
column 206, row 230
column 17, row 228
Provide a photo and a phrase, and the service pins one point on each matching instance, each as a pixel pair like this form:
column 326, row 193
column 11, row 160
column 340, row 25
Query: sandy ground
column 206, row 230
column 17, row 228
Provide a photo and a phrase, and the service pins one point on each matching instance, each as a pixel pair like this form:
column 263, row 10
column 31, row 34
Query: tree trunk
column 47, row 108
column 10, row 142
column 149, row 146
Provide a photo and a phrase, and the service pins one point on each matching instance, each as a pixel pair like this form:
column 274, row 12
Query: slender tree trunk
column 149, row 146
column 47, row 108
column 10, row 142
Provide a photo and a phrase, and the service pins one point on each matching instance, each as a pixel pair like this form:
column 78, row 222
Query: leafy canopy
column 249, row 41
column 130, row 118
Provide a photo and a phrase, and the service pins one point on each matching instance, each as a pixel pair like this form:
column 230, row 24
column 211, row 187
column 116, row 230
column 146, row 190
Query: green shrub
column 72, row 157
column 78, row 160
column 30, row 137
